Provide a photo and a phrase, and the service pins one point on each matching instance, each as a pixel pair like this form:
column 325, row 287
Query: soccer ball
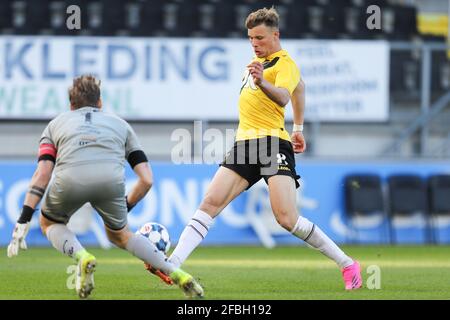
column 157, row 234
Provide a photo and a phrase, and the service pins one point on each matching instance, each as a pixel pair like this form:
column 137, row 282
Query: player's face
column 264, row 40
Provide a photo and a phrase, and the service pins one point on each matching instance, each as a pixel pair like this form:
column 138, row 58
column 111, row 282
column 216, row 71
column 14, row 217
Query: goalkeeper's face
column 264, row 40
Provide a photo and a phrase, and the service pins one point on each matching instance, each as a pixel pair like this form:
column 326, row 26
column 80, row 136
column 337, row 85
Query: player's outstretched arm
column 298, row 107
column 142, row 186
column 38, row 185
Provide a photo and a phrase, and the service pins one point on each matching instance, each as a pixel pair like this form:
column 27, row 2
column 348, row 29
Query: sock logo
column 70, row 251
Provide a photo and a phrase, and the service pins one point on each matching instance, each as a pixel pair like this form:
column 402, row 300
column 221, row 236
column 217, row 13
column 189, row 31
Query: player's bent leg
column 187, row 283
column 84, row 283
column 146, row 251
column 283, row 201
column 118, row 237
column 62, row 239
column 154, row 260
column 160, row 274
column 66, row 242
column 282, row 196
column 225, row 186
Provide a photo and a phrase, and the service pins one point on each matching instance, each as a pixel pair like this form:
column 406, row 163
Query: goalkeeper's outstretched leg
column 146, row 251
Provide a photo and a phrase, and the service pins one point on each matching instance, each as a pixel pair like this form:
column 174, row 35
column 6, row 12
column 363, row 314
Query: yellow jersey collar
column 274, row 55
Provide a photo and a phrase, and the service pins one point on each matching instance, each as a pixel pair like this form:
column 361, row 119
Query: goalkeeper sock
column 63, row 240
column 312, row 235
column 143, row 249
column 195, row 231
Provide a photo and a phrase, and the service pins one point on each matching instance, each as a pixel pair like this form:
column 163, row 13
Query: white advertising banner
column 186, row 79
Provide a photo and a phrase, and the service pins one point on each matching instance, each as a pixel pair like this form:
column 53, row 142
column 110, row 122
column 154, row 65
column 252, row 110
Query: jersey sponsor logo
column 85, row 140
column 284, row 168
column 247, row 81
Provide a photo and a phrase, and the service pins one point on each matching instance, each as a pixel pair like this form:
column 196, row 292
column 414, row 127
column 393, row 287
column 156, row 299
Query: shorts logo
column 281, row 159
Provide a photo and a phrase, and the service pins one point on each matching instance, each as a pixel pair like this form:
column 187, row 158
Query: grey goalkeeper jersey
column 89, row 135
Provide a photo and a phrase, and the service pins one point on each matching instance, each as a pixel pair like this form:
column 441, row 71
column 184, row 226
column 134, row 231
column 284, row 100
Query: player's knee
column 43, row 227
column 121, row 243
column 119, row 238
column 210, row 204
column 285, row 218
column 285, row 223
column 44, row 224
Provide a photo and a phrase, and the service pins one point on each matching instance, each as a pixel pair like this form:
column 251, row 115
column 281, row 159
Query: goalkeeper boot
column 164, row 277
column 187, row 283
column 352, row 276
column 85, row 274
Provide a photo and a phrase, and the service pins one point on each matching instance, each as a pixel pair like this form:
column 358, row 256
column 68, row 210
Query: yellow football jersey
column 259, row 116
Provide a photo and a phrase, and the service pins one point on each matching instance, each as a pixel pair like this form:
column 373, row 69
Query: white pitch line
column 293, row 264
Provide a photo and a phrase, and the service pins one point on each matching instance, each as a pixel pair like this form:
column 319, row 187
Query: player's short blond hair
column 85, row 91
column 268, row 17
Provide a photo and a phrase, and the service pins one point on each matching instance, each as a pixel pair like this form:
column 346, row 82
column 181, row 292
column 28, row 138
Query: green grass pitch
column 287, row 273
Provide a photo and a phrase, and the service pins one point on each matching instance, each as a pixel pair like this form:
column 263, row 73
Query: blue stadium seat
column 150, row 18
column 113, row 17
column 405, row 22
column 5, row 14
column 440, row 79
column 407, row 197
column 333, row 23
column 188, row 18
column 323, row 19
column 224, row 17
column 297, row 21
column 439, row 199
column 405, row 74
column 363, row 198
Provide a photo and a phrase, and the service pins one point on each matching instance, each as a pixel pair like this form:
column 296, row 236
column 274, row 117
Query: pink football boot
column 352, row 276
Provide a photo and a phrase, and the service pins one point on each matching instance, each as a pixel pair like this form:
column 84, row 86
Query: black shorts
column 262, row 158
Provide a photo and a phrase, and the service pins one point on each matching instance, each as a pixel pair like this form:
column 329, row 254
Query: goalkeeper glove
column 20, row 232
column 18, row 239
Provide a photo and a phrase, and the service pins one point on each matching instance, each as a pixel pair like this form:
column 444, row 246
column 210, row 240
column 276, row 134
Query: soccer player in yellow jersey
column 263, row 149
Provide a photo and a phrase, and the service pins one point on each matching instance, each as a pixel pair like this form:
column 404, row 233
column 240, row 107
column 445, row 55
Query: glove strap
column 26, row 215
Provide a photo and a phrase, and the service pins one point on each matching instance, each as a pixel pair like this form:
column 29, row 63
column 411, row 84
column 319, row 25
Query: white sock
column 145, row 250
column 195, row 231
column 312, row 235
column 63, row 239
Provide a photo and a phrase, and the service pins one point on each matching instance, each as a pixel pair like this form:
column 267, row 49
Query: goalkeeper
column 86, row 149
